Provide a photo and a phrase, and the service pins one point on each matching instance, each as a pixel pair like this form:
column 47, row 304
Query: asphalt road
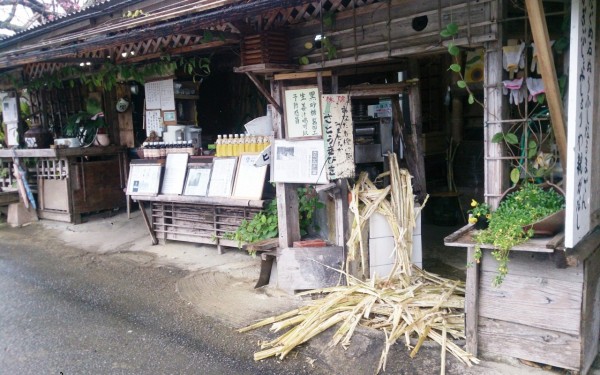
column 64, row 311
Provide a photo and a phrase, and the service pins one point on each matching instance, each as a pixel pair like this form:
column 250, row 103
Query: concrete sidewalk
column 222, row 286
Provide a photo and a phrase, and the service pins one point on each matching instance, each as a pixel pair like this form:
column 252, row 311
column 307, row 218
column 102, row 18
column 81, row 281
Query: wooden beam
column 378, row 90
column 264, row 91
column 539, row 30
column 302, row 75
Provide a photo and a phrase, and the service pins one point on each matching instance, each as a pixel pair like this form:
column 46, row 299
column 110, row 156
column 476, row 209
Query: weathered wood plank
column 535, row 301
column 472, row 305
column 530, row 343
column 590, row 317
column 534, row 265
column 216, row 201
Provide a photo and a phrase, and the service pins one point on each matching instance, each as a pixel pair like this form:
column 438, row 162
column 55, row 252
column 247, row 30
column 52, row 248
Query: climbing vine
column 109, row 74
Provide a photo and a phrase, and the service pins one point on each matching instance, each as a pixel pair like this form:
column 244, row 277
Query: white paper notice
column 299, row 161
column 153, row 122
column 175, row 171
column 160, row 95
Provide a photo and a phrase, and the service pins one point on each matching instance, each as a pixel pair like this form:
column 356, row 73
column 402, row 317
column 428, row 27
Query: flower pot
column 481, row 223
column 101, row 140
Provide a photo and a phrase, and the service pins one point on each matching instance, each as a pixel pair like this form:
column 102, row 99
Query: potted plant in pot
column 82, row 127
column 519, row 213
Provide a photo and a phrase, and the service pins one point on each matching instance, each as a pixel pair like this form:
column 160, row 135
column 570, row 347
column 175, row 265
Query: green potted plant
column 516, row 219
column 479, row 214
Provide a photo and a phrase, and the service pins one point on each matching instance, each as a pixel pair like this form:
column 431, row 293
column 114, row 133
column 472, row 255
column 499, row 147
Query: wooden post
column 287, row 198
column 472, row 302
column 539, row 30
column 494, row 169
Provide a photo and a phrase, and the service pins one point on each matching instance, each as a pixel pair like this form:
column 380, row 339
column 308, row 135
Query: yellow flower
column 472, row 220
column 473, row 203
column 488, row 216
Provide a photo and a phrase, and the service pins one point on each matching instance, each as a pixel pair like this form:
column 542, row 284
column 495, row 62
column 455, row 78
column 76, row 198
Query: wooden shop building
column 433, row 81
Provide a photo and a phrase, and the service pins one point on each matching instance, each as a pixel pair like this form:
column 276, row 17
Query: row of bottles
column 159, row 150
column 235, row 144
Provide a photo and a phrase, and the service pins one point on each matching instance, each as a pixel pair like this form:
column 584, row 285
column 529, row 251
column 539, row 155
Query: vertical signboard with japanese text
column 580, row 120
column 303, row 113
column 338, row 137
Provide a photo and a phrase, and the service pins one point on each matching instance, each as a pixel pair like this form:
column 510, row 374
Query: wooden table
column 75, row 181
column 545, row 311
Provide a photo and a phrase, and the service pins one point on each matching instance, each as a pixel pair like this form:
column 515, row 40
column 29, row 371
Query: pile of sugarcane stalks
column 410, row 303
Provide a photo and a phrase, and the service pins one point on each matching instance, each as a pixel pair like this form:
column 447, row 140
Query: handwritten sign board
column 303, row 113
column 299, row 161
column 160, row 95
column 154, row 122
column 580, row 120
column 339, row 140
column 249, row 179
column 144, row 179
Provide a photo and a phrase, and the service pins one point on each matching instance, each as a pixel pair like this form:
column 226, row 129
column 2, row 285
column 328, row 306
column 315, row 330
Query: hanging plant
column 109, row 74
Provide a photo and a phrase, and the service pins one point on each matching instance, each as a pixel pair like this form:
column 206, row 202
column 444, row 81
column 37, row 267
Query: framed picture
column 249, row 179
column 303, row 112
column 197, row 180
column 175, row 171
column 299, row 161
column 144, row 179
column 221, row 178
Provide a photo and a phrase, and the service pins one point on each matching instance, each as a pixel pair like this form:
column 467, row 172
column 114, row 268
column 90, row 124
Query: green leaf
column 455, row 68
column 452, row 28
column 471, row 99
column 541, row 98
column 515, row 175
column 462, row 84
column 445, row 34
column 511, row 138
column 498, row 137
column 531, row 152
column 303, row 60
column 453, row 49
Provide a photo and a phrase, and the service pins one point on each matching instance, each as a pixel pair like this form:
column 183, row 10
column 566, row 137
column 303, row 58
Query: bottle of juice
column 218, row 145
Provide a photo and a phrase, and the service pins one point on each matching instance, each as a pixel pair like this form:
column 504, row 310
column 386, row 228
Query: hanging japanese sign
column 580, row 118
column 339, row 140
column 303, row 113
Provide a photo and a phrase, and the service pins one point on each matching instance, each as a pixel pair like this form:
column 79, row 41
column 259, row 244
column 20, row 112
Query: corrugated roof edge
column 68, row 19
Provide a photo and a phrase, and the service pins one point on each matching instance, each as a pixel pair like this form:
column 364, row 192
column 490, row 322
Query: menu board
column 303, row 113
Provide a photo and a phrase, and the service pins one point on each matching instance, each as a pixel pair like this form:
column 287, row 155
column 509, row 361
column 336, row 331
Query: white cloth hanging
column 513, row 59
column 515, row 89
column 535, row 87
column 534, row 58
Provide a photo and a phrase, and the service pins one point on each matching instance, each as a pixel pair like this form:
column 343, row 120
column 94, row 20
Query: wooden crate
column 541, row 313
column 264, row 48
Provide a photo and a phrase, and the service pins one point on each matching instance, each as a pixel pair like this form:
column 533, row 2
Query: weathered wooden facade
column 359, row 47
